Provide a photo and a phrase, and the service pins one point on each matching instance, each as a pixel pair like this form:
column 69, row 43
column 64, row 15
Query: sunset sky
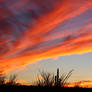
column 46, row 35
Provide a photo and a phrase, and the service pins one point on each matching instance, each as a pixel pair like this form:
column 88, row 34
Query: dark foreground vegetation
column 46, row 81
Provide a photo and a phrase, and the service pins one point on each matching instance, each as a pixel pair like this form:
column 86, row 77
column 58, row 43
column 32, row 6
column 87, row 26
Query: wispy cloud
column 31, row 30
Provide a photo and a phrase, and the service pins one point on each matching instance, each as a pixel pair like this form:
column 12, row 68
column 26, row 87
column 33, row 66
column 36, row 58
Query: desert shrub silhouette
column 2, row 79
column 11, row 81
column 48, row 79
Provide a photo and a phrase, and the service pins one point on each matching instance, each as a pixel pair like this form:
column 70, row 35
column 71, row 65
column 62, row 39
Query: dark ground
column 34, row 88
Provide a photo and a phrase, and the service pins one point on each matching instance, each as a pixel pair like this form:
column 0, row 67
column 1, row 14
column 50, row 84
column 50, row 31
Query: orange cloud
column 22, row 82
column 33, row 31
column 83, row 84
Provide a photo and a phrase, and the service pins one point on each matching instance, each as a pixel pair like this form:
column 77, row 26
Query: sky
column 46, row 34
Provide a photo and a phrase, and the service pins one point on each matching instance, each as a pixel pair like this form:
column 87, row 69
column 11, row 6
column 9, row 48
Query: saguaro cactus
column 57, row 79
column 61, row 80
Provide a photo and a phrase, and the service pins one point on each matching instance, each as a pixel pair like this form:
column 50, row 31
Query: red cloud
column 31, row 31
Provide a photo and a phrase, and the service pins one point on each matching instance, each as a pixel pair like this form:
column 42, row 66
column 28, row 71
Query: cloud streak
column 31, row 30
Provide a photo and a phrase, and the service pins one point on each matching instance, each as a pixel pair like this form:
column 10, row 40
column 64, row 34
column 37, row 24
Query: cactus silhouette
column 48, row 79
column 61, row 80
column 57, row 79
